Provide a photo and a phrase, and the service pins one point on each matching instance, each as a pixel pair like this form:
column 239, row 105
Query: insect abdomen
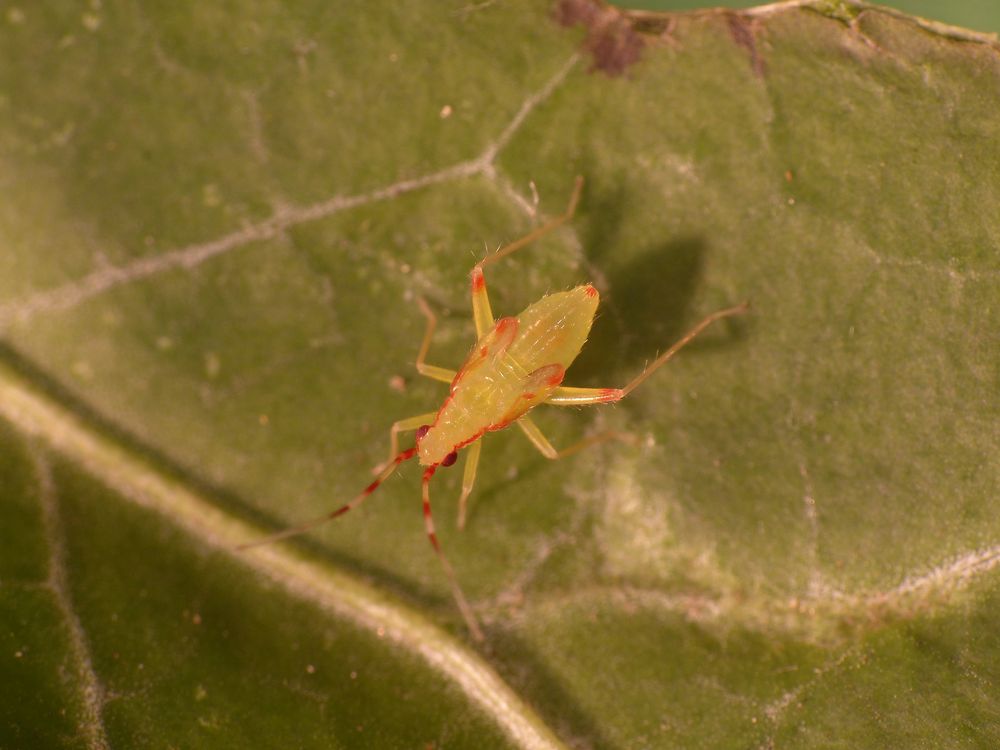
column 511, row 369
column 476, row 404
column 554, row 329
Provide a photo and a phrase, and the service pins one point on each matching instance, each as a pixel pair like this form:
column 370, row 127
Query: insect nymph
column 516, row 364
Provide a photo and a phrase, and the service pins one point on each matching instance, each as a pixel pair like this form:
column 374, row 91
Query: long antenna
column 320, row 520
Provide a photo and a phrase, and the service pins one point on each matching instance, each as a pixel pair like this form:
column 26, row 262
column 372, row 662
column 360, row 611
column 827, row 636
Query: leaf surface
column 218, row 219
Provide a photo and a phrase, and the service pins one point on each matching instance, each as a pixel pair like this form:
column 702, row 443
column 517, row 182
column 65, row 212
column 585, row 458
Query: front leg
column 468, row 479
column 406, row 425
column 482, row 314
column 481, row 311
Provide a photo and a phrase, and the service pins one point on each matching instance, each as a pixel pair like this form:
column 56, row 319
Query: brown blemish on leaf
column 742, row 31
column 611, row 40
column 573, row 12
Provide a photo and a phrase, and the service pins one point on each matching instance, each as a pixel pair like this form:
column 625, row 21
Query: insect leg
column 468, row 478
column 482, row 315
column 541, row 442
column 430, row 371
column 481, row 311
column 319, row 520
column 568, row 396
column 529, row 428
column 405, row 425
column 543, row 230
column 456, row 591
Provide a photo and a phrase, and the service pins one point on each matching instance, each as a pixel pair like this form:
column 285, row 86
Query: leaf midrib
column 336, row 592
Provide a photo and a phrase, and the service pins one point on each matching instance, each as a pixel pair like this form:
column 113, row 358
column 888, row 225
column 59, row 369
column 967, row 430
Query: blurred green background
column 981, row 15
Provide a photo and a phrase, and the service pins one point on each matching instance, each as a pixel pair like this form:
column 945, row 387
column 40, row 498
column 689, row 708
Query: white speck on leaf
column 210, row 195
column 212, row 364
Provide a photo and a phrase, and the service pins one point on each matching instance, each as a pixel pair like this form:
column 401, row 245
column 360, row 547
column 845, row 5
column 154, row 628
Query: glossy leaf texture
column 216, row 221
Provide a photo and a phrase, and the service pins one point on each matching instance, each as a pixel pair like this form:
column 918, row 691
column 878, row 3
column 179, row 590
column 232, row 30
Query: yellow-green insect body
column 515, row 365
column 511, row 369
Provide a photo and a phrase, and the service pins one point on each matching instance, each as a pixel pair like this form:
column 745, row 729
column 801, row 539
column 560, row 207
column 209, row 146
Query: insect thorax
column 511, row 369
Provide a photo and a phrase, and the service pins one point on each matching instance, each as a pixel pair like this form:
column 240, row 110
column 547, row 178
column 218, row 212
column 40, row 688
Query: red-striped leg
column 456, row 590
column 319, row 520
column 430, row 371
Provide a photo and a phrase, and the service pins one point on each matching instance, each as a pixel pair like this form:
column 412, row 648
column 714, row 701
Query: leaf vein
column 69, row 295
column 334, row 592
column 57, row 582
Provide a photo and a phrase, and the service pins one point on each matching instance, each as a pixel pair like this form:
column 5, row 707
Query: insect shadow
column 646, row 309
column 647, row 300
column 517, row 363
column 646, row 306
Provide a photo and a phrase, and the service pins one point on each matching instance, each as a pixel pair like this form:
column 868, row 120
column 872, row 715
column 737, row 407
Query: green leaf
column 216, row 223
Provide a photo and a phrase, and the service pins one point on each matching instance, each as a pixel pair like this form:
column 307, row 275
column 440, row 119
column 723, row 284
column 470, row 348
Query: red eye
column 421, row 431
column 450, row 459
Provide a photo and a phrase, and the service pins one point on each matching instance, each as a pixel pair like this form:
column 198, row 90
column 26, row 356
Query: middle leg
column 430, row 371
column 538, row 439
column 456, row 590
